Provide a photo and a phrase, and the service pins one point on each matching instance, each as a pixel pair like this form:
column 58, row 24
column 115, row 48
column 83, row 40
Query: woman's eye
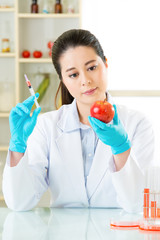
column 92, row 68
column 74, row 75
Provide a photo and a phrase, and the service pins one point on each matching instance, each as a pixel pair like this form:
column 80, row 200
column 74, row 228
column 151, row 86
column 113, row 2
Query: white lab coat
column 54, row 159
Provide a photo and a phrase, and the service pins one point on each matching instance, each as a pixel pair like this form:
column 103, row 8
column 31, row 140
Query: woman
column 83, row 161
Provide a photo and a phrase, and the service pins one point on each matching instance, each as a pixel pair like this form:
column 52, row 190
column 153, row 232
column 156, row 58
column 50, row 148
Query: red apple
column 37, row 54
column 102, row 110
column 26, row 54
column 50, row 44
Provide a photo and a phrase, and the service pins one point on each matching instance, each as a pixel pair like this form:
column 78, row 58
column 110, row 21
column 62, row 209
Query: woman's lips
column 91, row 91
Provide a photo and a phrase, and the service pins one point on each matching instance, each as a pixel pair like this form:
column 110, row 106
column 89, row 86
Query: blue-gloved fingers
column 21, row 107
column 12, row 112
column 16, row 111
column 98, row 123
column 37, row 95
column 30, row 101
column 93, row 125
column 35, row 114
column 115, row 119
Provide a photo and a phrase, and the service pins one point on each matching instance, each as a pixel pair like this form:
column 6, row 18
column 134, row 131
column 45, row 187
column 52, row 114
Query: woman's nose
column 86, row 81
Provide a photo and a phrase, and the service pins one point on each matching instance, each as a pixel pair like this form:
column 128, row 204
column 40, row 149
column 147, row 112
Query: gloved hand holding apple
column 114, row 134
column 102, row 110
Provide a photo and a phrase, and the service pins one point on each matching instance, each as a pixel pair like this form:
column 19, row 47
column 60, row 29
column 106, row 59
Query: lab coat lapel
column 70, row 149
column 71, row 153
column 100, row 165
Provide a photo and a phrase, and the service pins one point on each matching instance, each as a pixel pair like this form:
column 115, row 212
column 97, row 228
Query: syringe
column 31, row 90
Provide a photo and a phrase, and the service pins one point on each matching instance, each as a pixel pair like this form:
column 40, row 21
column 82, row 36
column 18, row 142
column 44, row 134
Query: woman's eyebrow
column 72, row 68
column 69, row 69
column 89, row 62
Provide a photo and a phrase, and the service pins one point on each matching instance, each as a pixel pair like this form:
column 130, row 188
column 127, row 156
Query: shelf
column 35, row 60
column 9, row 54
column 3, row 148
column 45, row 27
column 9, row 9
column 135, row 93
column 50, row 15
column 4, row 114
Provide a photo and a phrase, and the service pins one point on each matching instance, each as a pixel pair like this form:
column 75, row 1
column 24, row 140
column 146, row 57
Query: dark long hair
column 72, row 38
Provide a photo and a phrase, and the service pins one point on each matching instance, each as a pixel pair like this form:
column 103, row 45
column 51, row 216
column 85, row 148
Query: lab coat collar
column 109, row 98
column 70, row 121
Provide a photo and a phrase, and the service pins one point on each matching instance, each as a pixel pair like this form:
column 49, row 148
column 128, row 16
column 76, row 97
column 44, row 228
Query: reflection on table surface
column 68, row 224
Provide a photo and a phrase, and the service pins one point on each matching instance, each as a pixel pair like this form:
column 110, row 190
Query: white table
column 67, row 224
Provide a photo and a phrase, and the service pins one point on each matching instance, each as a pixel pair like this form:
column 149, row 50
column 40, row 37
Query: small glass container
column 150, row 225
column 46, row 7
column 6, row 96
column 34, row 7
column 58, row 6
column 70, row 9
column 5, row 45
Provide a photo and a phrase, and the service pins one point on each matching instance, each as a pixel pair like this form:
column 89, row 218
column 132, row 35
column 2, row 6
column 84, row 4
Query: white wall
column 129, row 33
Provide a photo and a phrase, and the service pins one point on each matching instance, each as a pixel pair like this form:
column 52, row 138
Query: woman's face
column 84, row 74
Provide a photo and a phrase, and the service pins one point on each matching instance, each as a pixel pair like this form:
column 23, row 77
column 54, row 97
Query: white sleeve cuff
column 129, row 184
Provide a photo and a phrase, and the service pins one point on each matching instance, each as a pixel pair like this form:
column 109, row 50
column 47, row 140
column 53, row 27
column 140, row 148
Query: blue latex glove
column 113, row 135
column 22, row 124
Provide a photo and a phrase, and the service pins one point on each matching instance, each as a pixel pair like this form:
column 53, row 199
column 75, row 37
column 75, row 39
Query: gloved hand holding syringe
column 31, row 90
column 22, row 122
